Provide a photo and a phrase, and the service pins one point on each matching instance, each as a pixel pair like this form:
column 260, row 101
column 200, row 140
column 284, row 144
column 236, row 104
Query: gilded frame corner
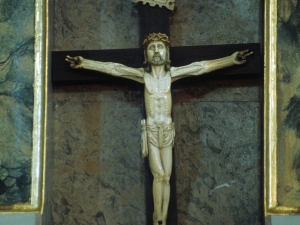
column 272, row 205
column 39, row 133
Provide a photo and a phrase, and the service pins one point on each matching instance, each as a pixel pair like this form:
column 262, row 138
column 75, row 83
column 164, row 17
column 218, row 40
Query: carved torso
column 158, row 100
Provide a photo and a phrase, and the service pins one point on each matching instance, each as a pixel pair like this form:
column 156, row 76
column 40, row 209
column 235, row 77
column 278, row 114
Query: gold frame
column 41, row 84
column 271, row 204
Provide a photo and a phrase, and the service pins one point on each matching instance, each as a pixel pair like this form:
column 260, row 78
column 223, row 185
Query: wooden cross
column 152, row 19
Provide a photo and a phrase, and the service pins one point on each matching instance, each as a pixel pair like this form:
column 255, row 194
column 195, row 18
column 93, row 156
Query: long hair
column 157, row 37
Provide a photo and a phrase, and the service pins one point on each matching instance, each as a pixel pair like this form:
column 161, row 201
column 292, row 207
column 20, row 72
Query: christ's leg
column 166, row 159
column 158, row 174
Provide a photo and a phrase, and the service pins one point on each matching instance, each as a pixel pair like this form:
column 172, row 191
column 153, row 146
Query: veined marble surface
column 95, row 24
column 215, row 22
column 217, row 162
column 99, row 173
column 16, row 99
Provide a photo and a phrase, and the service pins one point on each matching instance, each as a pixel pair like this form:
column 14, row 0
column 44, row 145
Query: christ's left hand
column 240, row 57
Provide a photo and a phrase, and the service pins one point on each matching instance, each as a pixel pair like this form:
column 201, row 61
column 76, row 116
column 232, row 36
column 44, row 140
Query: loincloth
column 158, row 136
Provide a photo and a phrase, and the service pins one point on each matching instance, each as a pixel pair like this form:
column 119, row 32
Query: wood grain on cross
column 152, row 19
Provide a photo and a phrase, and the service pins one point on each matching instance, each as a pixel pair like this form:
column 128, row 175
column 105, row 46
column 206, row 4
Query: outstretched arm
column 199, row 68
column 110, row 68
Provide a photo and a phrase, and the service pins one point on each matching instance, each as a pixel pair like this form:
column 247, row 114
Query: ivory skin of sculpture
column 158, row 128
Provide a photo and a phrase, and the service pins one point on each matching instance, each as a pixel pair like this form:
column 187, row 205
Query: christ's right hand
column 75, row 62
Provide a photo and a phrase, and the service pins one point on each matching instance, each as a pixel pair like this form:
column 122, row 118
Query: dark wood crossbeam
column 62, row 73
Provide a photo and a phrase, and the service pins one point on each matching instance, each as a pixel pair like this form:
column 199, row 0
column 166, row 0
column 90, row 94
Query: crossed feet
column 160, row 222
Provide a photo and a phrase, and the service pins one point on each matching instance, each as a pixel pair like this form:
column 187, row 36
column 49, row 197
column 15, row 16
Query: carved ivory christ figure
column 158, row 129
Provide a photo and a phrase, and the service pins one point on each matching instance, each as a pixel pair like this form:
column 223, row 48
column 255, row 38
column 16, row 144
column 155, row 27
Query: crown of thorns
column 156, row 37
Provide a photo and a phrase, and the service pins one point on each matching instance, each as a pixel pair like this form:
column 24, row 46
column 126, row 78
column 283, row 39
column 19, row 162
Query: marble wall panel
column 217, row 156
column 215, row 22
column 95, row 24
column 16, row 99
column 98, row 172
column 116, row 191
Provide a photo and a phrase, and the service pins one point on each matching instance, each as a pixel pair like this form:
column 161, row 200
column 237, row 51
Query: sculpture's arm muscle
column 110, row 68
column 199, row 68
column 193, row 69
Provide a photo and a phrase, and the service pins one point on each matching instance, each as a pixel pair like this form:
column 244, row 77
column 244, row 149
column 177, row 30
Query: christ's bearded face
column 156, row 53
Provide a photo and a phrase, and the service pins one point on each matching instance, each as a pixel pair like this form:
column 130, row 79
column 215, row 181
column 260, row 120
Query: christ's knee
column 166, row 179
column 159, row 176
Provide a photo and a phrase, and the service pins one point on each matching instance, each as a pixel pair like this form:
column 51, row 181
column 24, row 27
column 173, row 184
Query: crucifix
column 157, row 77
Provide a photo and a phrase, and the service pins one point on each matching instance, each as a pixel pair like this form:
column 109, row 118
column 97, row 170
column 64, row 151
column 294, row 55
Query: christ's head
column 156, row 51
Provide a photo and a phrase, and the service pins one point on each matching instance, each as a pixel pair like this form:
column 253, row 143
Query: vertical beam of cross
column 153, row 20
